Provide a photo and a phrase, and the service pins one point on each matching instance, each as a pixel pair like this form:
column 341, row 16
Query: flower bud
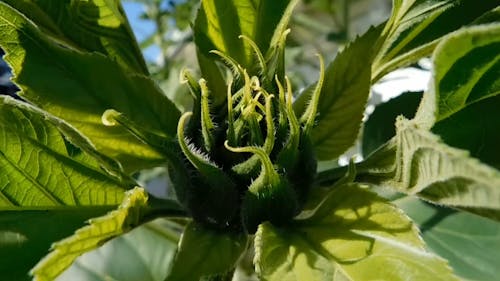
column 252, row 159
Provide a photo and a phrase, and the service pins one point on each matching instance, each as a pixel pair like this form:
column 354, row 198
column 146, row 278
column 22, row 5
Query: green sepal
column 262, row 67
column 283, row 129
column 287, row 157
column 309, row 116
column 207, row 125
column 213, row 174
column 194, row 88
column 194, row 126
column 274, row 203
column 275, row 59
column 207, row 185
column 231, row 64
column 266, row 194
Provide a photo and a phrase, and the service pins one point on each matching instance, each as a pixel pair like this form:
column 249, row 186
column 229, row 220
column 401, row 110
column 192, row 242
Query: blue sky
column 142, row 29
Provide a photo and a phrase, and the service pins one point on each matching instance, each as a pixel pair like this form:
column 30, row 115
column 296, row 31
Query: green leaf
column 142, row 254
column 219, row 24
column 421, row 164
column 85, row 85
column 470, row 243
column 363, row 237
column 343, row 98
column 45, row 183
column 466, row 70
column 378, row 129
column 40, row 170
column 99, row 230
column 460, row 104
column 26, row 236
column 94, row 26
column 205, row 253
column 474, row 128
column 491, row 16
column 416, row 26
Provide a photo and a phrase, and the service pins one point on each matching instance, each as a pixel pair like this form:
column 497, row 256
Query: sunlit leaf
column 219, row 23
column 142, row 254
column 52, row 172
column 361, row 238
column 94, row 26
column 416, row 26
column 48, row 187
column 98, row 231
column 343, row 98
column 466, row 70
column 419, row 163
column 461, row 101
column 82, row 87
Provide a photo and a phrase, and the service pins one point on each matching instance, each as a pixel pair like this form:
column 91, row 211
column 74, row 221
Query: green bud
column 269, row 197
column 252, row 159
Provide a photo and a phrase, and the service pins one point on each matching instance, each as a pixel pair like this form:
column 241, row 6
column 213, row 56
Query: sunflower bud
column 250, row 160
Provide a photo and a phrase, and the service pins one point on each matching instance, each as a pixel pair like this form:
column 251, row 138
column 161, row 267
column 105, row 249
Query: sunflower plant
column 243, row 161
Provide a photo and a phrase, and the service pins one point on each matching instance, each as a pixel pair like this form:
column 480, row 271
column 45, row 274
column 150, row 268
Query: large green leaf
column 44, row 177
column 206, row 253
column 99, row 230
column 475, row 128
column 470, row 243
column 466, row 70
column 418, row 162
column 463, row 98
column 343, row 98
column 48, row 187
column 40, row 170
column 79, row 87
column 142, row 254
column 219, row 24
column 95, row 26
column 416, row 26
column 356, row 236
